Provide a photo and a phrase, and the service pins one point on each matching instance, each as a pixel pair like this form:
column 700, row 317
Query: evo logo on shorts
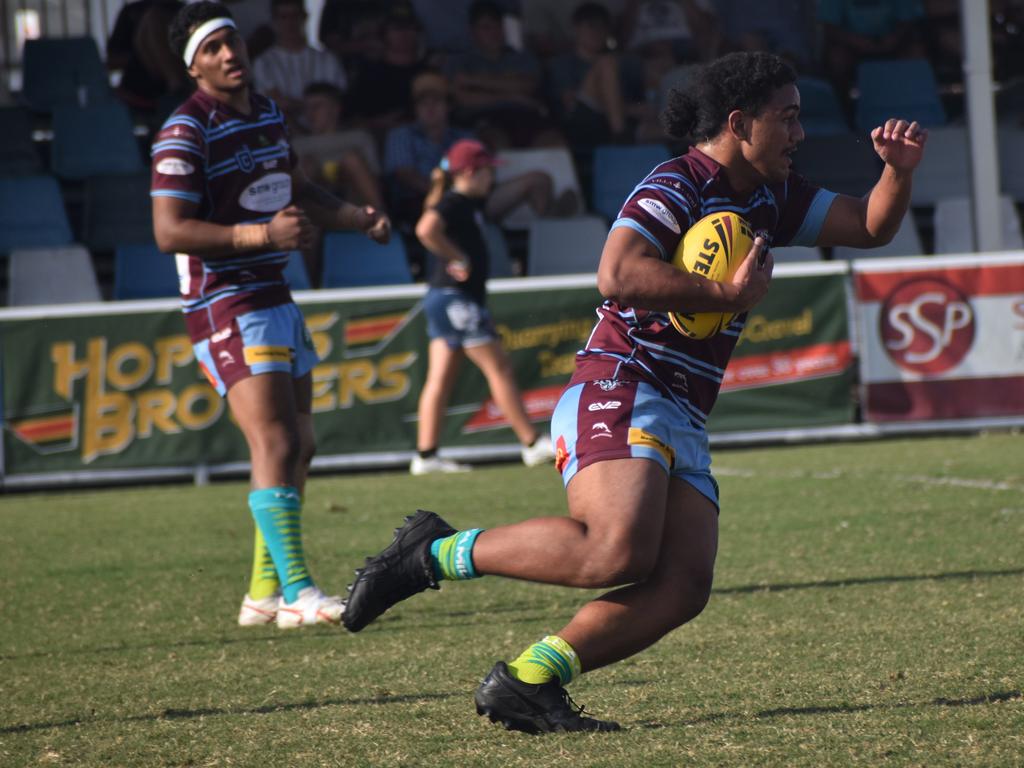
column 638, row 436
column 266, row 354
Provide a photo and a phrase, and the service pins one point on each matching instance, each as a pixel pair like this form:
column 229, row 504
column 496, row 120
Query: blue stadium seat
column 897, row 88
column 820, row 111
column 17, row 152
column 296, row 273
column 59, row 275
column 32, row 213
column 617, row 169
column 143, row 272
column 352, row 259
column 497, row 252
column 566, row 246
column 117, row 210
column 62, row 71
column 94, row 140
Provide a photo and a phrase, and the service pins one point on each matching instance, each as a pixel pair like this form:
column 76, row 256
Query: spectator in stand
column 138, row 47
column 445, row 30
column 547, row 24
column 353, row 31
column 413, row 152
column 779, row 26
column 380, row 97
column 856, row 30
column 496, row 88
column 286, row 68
column 586, row 88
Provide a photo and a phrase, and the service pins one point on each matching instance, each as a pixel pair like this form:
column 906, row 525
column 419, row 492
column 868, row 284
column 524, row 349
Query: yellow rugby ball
column 713, row 247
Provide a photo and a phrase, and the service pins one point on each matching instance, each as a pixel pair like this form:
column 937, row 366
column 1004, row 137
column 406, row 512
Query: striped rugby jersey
column 237, row 168
column 635, row 344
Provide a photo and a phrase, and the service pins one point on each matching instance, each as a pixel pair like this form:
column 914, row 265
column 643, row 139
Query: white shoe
column 435, row 464
column 541, row 452
column 311, row 607
column 256, row 612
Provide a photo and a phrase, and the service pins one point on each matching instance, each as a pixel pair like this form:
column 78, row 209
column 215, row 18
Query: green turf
column 867, row 611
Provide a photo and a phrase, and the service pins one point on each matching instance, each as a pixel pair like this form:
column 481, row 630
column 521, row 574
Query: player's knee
column 617, row 565
column 690, row 600
column 278, row 446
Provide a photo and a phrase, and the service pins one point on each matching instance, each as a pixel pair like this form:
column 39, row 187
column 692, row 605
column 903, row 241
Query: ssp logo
column 926, row 326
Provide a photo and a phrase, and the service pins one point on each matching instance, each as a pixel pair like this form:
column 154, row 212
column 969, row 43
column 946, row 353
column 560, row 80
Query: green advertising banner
column 113, row 390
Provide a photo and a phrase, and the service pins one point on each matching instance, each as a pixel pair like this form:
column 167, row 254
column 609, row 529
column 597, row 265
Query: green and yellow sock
column 263, row 582
column 547, row 660
column 277, row 512
column 452, row 556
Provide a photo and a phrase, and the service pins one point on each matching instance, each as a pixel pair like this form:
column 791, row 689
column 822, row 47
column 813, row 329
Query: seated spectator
column 413, row 151
column 445, row 29
column 284, row 70
column 339, row 158
column 353, row 31
column 139, row 48
column 496, row 88
column 547, row 24
column 779, row 26
column 586, row 89
column 856, row 30
column 379, row 98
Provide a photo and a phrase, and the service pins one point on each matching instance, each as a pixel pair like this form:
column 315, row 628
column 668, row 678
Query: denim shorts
column 457, row 318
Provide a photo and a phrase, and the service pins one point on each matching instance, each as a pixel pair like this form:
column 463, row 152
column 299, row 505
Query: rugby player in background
column 630, row 427
column 230, row 201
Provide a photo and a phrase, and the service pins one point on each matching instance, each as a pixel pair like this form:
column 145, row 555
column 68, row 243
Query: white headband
column 202, row 32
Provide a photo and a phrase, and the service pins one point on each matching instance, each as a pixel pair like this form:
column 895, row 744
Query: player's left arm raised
column 329, row 212
column 872, row 220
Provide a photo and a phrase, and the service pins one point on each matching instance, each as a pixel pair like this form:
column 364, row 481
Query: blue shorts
column 456, row 318
column 603, row 420
column 261, row 341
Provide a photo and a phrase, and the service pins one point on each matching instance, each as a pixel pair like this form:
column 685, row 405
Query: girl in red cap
column 458, row 322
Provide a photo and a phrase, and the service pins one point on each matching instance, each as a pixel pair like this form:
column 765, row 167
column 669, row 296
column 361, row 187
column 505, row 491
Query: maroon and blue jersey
column 631, row 344
column 237, row 169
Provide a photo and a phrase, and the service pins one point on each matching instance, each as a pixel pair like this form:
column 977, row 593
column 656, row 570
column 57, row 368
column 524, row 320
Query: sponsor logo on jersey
column 600, row 429
column 267, row 354
column 174, row 166
column 225, row 357
column 268, row 194
column 660, row 212
column 221, row 335
column 561, row 454
column 607, row 385
column 642, row 437
column 270, row 164
column 608, row 405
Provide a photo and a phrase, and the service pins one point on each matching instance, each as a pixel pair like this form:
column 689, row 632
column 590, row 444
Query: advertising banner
column 942, row 338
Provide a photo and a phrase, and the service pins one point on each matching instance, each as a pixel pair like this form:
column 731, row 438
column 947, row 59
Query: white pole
column 988, row 232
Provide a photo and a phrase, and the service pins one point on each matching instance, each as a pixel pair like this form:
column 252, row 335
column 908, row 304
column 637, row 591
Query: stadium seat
column 945, row 169
column 791, row 254
column 59, row 71
column 59, row 275
column 141, row 271
column 497, row 252
column 820, row 111
column 618, row 169
column 93, row 140
column 843, row 163
column 904, row 87
column 352, row 259
column 32, row 213
column 954, row 225
column 907, row 242
column 296, row 273
column 17, row 152
column 1011, row 161
column 566, row 246
column 554, row 160
column 117, row 210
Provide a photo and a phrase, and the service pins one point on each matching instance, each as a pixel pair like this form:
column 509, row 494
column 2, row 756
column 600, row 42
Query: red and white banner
column 941, row 338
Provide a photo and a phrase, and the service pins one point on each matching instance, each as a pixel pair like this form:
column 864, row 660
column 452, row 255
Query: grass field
column 868, row 610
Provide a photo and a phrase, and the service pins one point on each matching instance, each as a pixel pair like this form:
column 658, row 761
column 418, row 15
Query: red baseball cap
column 469, row 155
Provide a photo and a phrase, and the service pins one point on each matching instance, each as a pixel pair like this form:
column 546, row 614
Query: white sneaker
column 541, row 452
column 435, row 464
column 256, row 612
column 311, row 607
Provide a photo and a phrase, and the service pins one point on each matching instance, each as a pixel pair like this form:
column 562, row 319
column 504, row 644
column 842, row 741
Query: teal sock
column 277, row 512
column 452, row 556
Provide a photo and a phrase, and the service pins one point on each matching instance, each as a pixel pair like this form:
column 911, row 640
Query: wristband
column 250, row 237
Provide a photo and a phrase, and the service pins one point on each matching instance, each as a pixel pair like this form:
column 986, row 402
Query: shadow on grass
column 841, row 709
column 854, row 581
column 190, row 714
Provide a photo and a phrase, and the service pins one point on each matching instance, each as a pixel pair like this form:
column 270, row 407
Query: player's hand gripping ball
column 714, row 248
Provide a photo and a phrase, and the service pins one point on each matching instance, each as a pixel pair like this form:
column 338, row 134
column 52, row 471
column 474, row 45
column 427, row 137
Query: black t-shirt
column 463, row 217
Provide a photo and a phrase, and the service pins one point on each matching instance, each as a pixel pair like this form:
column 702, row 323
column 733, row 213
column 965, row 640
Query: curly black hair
column 746, row 81
column 190, row 17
